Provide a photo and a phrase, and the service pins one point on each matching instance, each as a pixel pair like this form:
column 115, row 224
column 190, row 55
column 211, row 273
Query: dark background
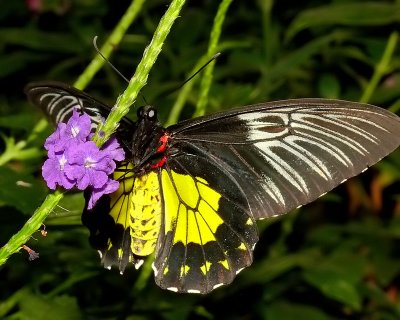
column 337, row 258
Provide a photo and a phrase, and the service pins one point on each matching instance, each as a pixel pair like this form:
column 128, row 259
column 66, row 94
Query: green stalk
column 113, row 40
column 30, row 227
column 139, row 79
column 124, row 102
column 145, row 274
column 183, row 94
column 212, row 49
column 382, row 68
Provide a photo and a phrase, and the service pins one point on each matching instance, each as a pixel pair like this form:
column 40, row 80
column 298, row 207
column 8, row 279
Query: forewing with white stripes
column 58, row 100
column 287, row 153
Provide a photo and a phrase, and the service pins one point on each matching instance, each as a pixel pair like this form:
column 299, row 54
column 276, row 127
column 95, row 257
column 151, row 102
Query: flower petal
column 53, row 172
column 78, row 126
column 113, row 149
column 97, row 193
column 49, row 173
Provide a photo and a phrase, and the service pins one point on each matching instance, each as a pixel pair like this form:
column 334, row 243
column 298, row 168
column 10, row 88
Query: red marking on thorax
column 164, row 141
column 160, row 163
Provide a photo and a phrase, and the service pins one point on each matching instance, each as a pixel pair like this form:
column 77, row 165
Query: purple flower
column 78, row 126
column 89, row 165
column 97, row 193
column 52, row 143
column 75, row 161
column 113, row 148
column 74, row 132
column 54, row 170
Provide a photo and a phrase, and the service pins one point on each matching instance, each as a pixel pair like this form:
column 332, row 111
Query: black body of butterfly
column 191, row 193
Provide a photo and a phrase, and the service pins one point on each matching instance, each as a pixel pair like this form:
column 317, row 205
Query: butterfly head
column 147, row 113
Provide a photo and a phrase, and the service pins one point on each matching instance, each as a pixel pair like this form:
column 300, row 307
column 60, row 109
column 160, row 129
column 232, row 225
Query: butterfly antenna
column 111, row 65
column 215, row 56
column 106, row 60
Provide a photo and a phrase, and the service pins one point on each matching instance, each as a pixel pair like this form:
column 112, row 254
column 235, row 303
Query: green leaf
column 332, row 286
column 35, row 39
column 337, row 277
column 348, row 14
column 10, row 64
column 386, row 267
column 41, row 308
column 329, row 86
column 8, row 304
column 23, row 121
column 263, row 272
column 376, row 294
column 286, row 310
column 296, row 58
column 20, row 191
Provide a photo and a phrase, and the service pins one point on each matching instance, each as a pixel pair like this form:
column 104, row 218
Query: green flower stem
column 382, row 68
column 144, row 275
column 212, row 49
column 30, row 227
column 139, row 79
column 270, row 37
column 176, row 109
column 39, row 127
column 183, row 94
column 17, row 151
column 113, row 40
column 136, row 83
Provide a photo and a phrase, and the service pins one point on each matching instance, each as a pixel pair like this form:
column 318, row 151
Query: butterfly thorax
column 149, row 142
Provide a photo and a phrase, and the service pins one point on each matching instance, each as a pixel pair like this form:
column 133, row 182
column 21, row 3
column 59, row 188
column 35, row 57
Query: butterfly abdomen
column 145, row 214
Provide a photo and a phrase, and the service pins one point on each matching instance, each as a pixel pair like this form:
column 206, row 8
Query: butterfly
column 191, row 193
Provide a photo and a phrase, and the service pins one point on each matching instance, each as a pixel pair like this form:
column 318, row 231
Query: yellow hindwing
column 191, row 208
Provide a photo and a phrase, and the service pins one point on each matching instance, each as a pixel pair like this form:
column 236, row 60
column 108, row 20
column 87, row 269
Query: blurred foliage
column 337, row 258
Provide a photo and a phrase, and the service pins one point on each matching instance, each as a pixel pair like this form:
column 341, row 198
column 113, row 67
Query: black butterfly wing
column 290, row 152
column 261, row 161
column 58, row 100
column 208, row 232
